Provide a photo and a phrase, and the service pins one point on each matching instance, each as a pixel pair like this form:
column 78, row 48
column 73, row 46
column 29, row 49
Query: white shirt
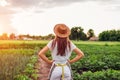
column 58, row 58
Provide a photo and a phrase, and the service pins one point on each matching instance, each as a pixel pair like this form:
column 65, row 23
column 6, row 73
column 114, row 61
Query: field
column 101, row 60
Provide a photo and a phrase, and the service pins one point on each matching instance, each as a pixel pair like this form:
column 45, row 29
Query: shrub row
column 21, row 46
column 99, row 75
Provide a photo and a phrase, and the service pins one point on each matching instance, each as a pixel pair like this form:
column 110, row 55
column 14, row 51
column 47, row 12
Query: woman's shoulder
column 70, row 42
column 73, row 46
column 50, row 41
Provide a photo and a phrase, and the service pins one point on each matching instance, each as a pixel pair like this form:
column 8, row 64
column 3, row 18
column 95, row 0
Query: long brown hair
column 62, row 44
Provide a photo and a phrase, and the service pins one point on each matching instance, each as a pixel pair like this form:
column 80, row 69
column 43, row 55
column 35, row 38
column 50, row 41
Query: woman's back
column 58, row 58
column 61, row 48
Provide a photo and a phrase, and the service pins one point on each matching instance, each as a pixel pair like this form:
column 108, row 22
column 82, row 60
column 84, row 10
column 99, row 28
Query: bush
column 99, row 75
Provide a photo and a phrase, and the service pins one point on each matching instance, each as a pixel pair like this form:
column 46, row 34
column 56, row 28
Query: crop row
column 18, row 58
column 97, row 59
column 12, row 63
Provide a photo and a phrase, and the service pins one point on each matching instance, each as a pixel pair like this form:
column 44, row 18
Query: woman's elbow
column 81, row 54
column 39, row 54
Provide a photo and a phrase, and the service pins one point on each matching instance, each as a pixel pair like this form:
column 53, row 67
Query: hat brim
column 61, row 35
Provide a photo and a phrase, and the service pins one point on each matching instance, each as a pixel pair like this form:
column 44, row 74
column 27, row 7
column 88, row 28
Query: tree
column 77, row 33
column 118, row 35
column 51, row 36
column 20, row 37
column 48, row 37
column 4, row 36
column 110, row 35
column 28, row 36
column 12, row 36
column 90, row 33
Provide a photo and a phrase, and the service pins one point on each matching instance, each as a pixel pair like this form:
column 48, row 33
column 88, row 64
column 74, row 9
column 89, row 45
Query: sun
column 3, row 3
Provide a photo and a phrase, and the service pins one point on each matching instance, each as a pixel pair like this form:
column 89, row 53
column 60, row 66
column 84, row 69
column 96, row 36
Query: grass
column 23, row 41
column 97, row 42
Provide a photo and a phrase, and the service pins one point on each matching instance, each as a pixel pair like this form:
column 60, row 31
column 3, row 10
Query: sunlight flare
column 3, row 3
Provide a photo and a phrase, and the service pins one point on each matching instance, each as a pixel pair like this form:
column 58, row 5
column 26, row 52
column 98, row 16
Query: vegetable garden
column 101, row 61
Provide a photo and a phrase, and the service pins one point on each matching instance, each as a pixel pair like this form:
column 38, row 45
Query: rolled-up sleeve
column 73, row 46
column 49, row 44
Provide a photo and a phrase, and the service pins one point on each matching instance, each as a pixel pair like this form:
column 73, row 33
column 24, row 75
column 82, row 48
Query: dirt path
column 43, row 70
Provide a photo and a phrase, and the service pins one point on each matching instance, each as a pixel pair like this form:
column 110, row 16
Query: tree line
column 110, row 35
column 77, row 33
column 12, row 36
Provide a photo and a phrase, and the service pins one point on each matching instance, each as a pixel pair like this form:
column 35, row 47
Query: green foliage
column 34, row 76
column 77, row 34
column 11, row 63
column 97, row 58
column 17, row 62
column 48, row 54
column 29, row 70
column 90, row 33
column 22, row 77
column 101, row 61
column 110, row 35
column 99, row 75
column 20, row 46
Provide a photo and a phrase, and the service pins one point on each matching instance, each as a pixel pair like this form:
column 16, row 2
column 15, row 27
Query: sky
column 38, row 17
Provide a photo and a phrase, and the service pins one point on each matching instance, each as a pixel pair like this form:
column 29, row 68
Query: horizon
column 8, row 34
column 39, row 17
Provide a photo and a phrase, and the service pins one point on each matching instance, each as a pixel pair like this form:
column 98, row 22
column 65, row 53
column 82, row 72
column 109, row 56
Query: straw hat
column 61, row 30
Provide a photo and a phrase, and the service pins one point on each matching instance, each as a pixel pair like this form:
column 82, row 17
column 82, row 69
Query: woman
column 61, row 48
